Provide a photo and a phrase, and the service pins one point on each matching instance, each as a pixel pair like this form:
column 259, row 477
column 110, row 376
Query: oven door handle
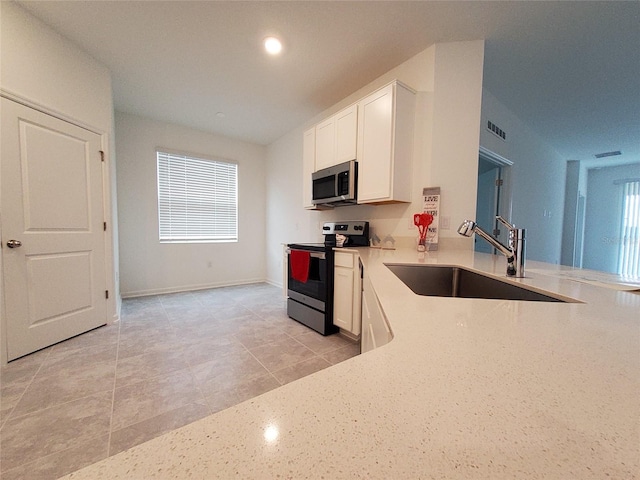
column 321, row 256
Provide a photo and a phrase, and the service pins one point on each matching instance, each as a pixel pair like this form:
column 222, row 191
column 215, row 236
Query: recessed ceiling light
column 272, row 45
column 220, row 114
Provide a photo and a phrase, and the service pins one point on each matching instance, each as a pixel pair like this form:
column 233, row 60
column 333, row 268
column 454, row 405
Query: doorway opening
column 493, row 196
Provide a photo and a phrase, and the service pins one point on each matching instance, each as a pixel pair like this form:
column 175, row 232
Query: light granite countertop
column 467, row 388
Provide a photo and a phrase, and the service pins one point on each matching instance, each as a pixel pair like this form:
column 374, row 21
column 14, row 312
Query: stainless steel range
column 310, row 274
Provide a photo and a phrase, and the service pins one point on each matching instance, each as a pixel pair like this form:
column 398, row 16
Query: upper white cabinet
column 346, row 134
column 326, row 144
column 377, row 131
column 336, row 138
column 385, row 145
column 308, row 165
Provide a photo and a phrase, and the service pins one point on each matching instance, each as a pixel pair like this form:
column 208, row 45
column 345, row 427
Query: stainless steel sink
column 454, row 281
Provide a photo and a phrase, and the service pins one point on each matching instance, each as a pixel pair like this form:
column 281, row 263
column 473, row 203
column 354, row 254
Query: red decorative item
column 422, row 221
column 299, row 263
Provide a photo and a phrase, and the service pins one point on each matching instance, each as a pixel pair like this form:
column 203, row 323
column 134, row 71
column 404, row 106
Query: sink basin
column 453, row 281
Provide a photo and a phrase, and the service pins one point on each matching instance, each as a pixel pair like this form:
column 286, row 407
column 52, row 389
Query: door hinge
column 499, row 182
column 106, row 294
column 104, row 226
column 102, row 155
column 496, row 232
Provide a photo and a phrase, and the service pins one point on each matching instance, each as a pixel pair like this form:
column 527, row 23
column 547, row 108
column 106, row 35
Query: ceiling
column 570, row 70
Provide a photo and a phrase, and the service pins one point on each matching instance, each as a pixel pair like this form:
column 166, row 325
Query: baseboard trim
column 349, row 336
column 187, row 288
column 275, row 284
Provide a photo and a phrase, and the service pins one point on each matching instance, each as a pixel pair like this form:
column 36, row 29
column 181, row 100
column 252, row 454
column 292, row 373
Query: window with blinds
column 629, row 252
column 197, row 199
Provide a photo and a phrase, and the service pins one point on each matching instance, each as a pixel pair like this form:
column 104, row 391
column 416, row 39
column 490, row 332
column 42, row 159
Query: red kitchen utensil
column 422, row 221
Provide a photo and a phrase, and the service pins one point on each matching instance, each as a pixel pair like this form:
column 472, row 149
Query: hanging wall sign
column 431, row 202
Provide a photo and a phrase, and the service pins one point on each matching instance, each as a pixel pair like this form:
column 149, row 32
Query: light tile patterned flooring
column 171, row 360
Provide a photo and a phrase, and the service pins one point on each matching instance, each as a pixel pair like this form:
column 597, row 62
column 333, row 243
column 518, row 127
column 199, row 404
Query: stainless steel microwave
column 336, row 185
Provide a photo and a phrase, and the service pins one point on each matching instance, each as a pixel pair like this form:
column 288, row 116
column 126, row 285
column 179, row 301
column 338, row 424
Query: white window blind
column 197, row 199
column 629, row 253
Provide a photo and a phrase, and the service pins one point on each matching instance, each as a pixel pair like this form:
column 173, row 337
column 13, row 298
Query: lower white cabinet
column 347, row 288
column 375, row 330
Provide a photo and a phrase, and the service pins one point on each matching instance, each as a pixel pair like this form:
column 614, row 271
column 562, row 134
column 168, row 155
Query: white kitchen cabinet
column 325, row 144
column 336, row 138
column 347, row 289
column 346, row 134
column 308, row 165
column 375, row 329
column 385, row 145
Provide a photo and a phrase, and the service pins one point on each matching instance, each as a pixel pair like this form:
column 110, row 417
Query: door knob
column 14, row 243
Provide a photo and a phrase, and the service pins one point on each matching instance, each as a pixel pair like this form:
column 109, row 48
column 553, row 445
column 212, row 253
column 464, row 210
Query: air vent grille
column 493, row 128
column 608, row 154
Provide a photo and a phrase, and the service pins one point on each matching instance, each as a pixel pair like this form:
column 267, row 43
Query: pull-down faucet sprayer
column 514, row 252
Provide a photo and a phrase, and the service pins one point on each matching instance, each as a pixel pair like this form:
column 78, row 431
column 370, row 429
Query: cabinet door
column 343, row 298
column 325, row 144
column 356, row 323
column 346, row 123
column 367, row 342
column 375, row 331
column 375, row 132
column 379, row 328
column 308, row 165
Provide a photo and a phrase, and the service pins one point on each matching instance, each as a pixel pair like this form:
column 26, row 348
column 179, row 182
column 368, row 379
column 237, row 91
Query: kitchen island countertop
column 467, row 388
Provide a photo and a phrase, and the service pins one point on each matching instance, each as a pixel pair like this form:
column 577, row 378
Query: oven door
column 314, row 291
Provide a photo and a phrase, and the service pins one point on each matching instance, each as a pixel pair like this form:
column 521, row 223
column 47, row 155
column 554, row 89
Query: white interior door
column 52, row 216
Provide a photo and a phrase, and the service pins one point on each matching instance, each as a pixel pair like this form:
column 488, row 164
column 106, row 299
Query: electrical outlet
column 445, row 223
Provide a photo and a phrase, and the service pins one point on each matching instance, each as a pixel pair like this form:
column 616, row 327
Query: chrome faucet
column 514, row 252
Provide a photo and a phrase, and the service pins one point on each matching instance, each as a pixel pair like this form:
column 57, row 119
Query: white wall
column 448, row 78
column 146, row 265
column 40, row 65
column 456, row 129
column 44, row 70
column 538, row 179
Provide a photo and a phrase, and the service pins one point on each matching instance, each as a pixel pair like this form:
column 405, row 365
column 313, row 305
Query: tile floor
column 171, row 360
